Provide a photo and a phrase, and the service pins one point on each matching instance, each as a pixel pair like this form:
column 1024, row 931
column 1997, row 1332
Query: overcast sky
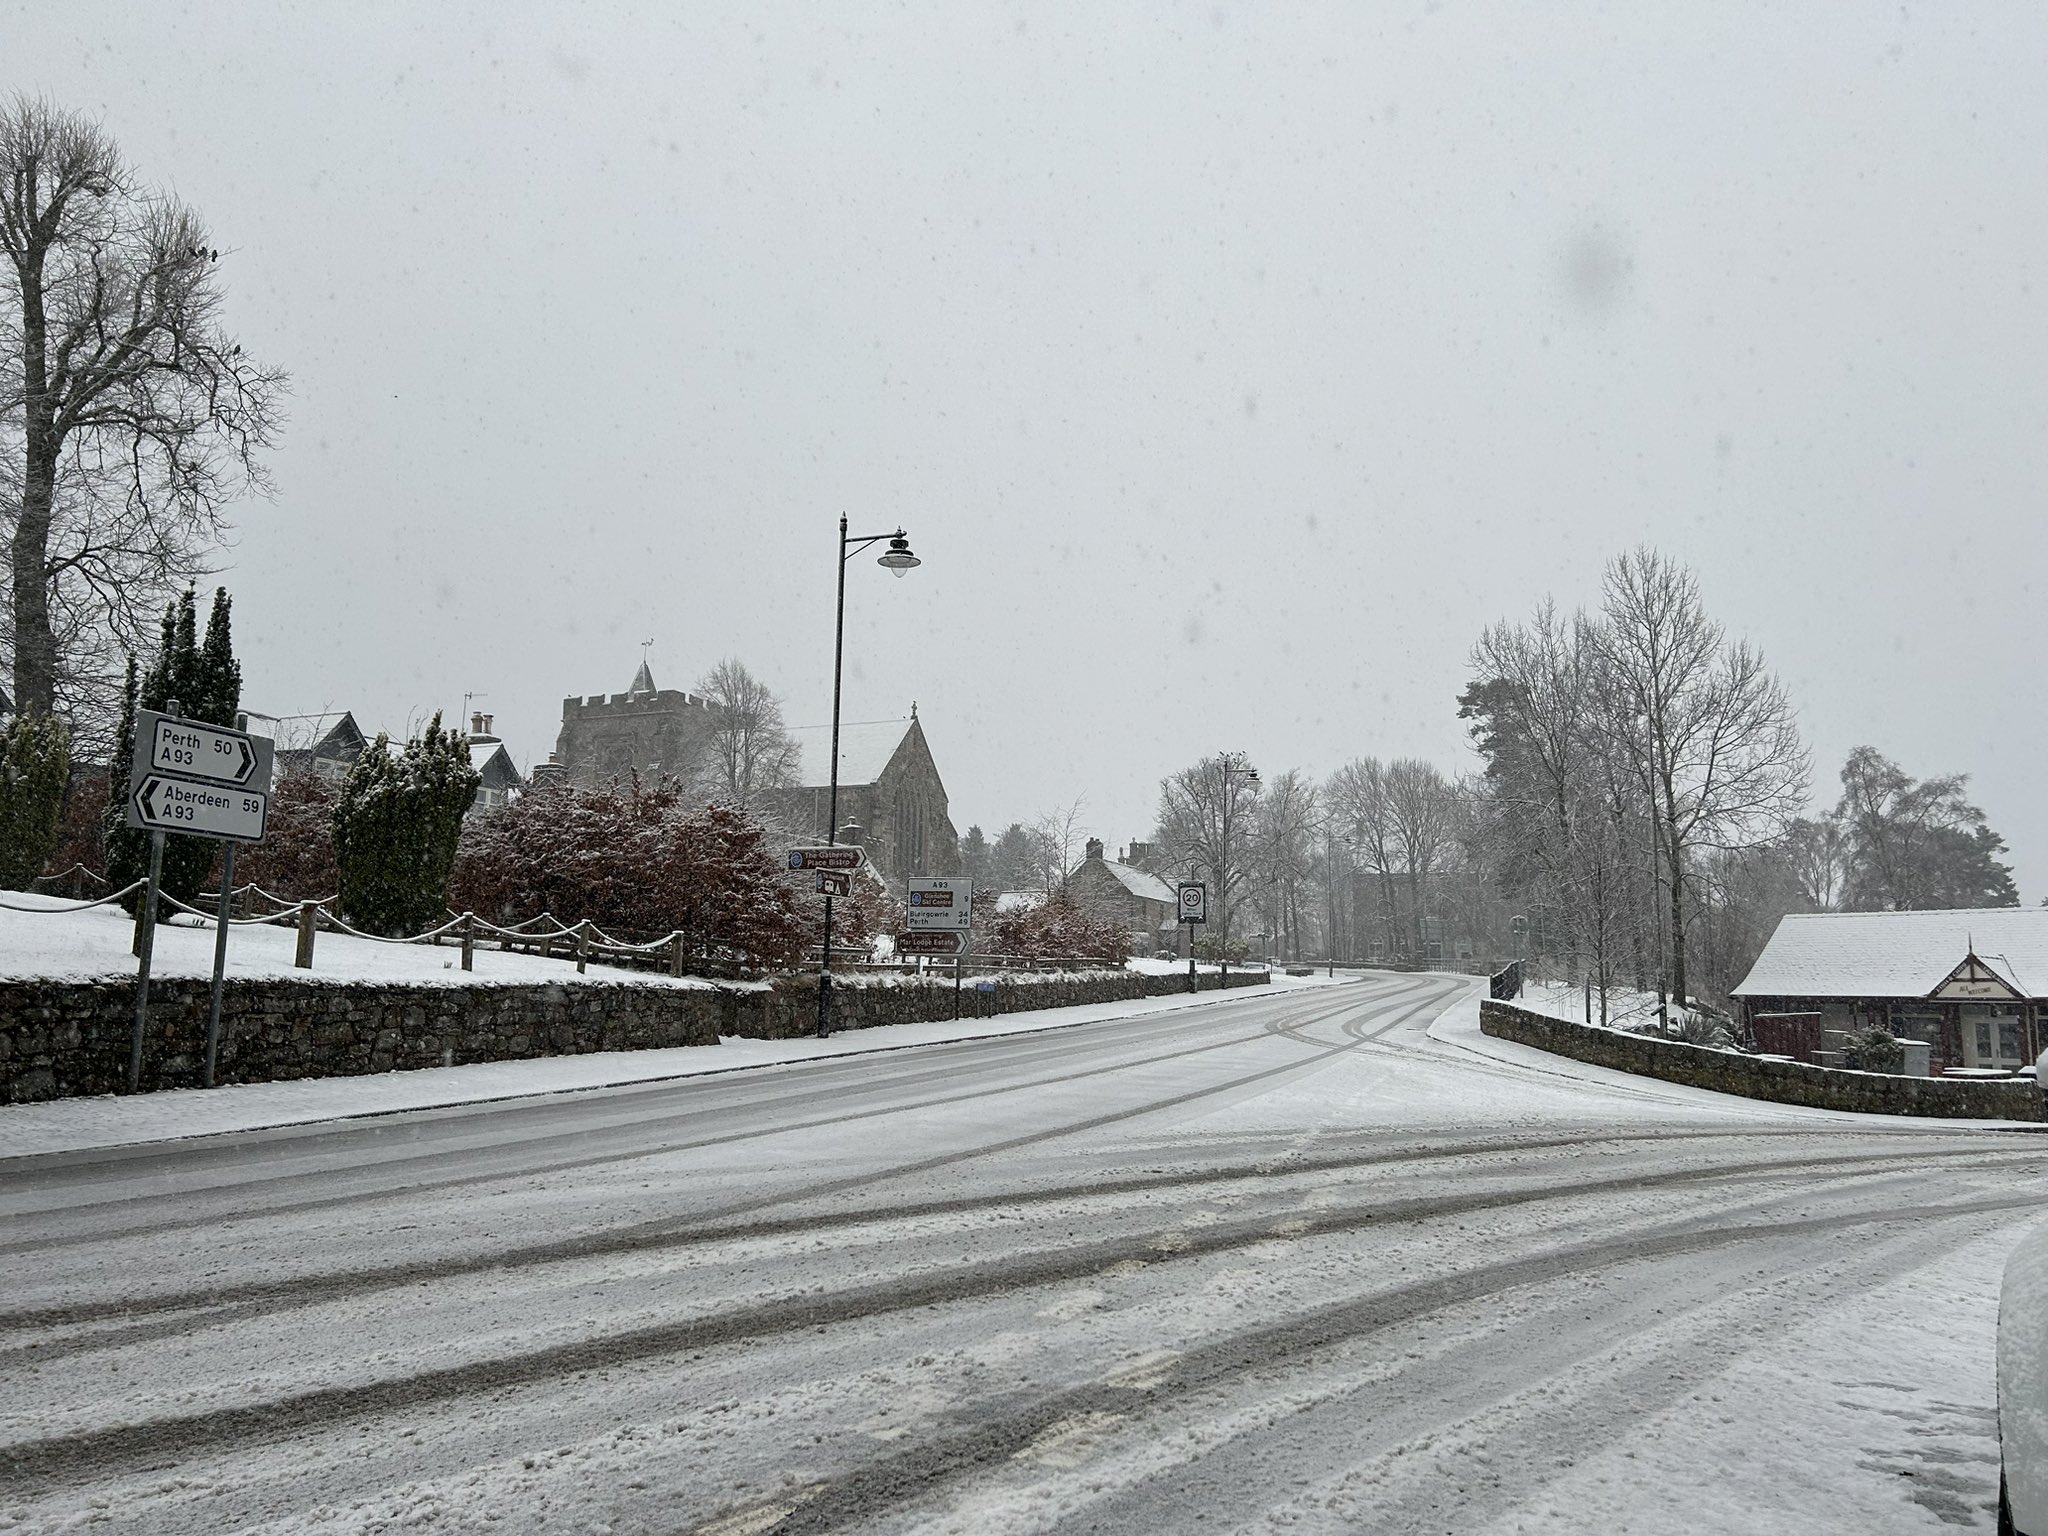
column 1229, row 371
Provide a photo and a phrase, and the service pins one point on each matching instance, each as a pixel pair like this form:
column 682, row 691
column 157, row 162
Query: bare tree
column 136, row 418
column 1054, row 837
column 1707, row 724
column 1357, row 794
column 1419, row 801
column 750, row 750
column 1205, row 815
column 1285, row 851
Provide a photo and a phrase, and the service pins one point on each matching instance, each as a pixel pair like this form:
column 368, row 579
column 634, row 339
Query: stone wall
column 862, row 1002
column 59, row 1039
column 1781, row 1082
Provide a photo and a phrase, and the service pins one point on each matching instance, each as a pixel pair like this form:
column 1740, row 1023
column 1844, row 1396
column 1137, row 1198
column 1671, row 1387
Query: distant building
column 645, row 730
column 889, row 786
column 1971, row 984
column 487, row 755
column 326, row 744
column 1114, row 891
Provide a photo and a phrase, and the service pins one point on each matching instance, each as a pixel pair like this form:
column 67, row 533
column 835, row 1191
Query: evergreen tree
column 35, row 767
column 974, row 857
column 206, row 683
column 396, row 829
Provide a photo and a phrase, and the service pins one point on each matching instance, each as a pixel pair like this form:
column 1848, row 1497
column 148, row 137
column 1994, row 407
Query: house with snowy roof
column 889, row 788
column 326, row 742
column 1972, row 984
column 499, row 776
column 1138, row 901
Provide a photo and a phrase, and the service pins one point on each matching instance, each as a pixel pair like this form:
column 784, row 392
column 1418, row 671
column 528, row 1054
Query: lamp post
column 898, row 560
column 1330, row 891
column 1235, row 765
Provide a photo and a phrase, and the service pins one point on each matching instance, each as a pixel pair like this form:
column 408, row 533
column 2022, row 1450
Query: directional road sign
column 161, row 802
column 835, row 882
column 931, row 942
column 826, row 858
column 939, row 903
column 1194, row 902
column 193, row 750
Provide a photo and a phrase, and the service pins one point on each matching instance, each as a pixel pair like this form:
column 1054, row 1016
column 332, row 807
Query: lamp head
column 899, row 558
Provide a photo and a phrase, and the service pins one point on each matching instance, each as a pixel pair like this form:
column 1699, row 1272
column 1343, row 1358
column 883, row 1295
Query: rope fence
column 534, row 935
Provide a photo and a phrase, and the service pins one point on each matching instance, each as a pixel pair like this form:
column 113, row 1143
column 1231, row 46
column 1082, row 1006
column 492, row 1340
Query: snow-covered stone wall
column 59, row 1039
column 1780, row 1082
column 62, row 1038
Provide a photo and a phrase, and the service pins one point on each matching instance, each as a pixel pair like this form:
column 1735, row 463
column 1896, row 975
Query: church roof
column 865, row 748
column 643, row 680
column 1899, row 954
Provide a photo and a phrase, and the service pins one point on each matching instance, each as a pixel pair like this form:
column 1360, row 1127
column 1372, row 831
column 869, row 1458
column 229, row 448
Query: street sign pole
column 156, row 874
column 220, row 937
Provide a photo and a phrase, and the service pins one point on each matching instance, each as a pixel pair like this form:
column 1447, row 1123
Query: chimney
column 480, row 725
column 1095, row 848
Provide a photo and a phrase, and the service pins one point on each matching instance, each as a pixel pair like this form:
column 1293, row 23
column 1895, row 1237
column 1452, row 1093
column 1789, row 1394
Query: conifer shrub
column 206, row 682
column 35, row 766
column 397, row 826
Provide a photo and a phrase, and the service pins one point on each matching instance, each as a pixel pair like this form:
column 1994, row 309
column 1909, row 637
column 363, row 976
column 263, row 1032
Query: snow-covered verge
column 57, row 942
column 66, row 1125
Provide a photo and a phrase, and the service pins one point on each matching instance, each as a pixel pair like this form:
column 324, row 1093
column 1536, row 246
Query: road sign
column 942, row 941
column 160, row 802
column 835, row 882
column 939, row 904
column 1194, row 902
column 191, row 749
column 826, row 858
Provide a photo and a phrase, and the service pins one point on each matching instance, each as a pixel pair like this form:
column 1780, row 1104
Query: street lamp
column 898, row 560
column 1235, row 765
column 1330, row 891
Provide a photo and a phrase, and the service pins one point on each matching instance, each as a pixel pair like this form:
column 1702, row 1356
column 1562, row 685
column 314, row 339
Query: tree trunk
column 35, row 645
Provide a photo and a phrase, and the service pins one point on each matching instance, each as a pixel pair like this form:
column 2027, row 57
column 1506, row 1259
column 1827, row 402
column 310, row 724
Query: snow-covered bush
column 640, row 862
column 1210, row 948
column 1057, row 928
column 396, row 827
column 35, row 765
column 1874, row 1049
column 859, row 919
column 295, row 860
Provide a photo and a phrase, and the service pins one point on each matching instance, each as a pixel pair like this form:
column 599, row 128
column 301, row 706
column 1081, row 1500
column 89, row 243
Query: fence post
column 675, row 954
column 582, row 945
column 547, row 939
column 469, row 941
column 304, row 959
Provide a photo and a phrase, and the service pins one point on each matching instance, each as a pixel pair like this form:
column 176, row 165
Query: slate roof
column 865, row 747
column 1899, row 954
column 484, row 753
column 1139, row 883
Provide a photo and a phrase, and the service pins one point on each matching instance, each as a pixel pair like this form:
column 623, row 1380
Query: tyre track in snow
column 239, row 1303
column 174, row 1439
column 527, row 1167
column 890, row 1481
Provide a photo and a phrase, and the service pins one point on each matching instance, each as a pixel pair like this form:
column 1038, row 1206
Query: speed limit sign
column 1194, row 902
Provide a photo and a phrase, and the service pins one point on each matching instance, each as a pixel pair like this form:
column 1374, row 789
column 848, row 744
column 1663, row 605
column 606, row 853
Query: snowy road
column 1278, row 1263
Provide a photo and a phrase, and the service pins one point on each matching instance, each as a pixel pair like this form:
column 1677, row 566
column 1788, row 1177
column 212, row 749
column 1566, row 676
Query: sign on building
column 939, row 904
column 1194, row 902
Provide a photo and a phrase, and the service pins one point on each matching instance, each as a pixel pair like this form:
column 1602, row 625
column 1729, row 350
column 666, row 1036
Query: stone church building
column 889, row 786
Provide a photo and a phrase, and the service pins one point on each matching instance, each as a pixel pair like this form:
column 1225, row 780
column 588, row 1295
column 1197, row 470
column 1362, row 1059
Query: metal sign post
column 204, row 781
column 1193, row 898
column 936, row 904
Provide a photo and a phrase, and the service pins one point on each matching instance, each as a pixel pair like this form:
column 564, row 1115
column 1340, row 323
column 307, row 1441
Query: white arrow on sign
column 210, row 752
column 203, row 810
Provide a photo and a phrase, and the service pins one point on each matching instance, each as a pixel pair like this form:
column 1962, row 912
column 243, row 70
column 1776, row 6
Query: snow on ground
column 68, row 1125
column 57, row 941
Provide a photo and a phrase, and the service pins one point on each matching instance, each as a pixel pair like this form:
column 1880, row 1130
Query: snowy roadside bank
column 80, row 1124
column 1458, row 1027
